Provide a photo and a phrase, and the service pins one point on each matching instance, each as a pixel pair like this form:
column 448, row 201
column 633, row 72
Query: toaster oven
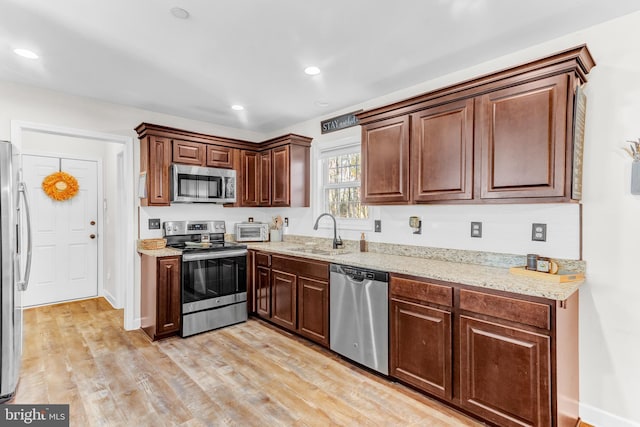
column 252, row 232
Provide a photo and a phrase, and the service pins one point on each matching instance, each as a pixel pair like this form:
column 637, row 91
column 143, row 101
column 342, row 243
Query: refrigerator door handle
column 23, row 281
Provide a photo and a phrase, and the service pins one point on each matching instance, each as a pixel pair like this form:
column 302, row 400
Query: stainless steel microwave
column 194, row 184
column 252, row 232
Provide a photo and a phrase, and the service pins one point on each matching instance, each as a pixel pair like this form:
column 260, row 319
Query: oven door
column 213, row 279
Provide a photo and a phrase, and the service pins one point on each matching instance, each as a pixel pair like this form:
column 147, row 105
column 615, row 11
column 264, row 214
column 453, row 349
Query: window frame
column 332, row 149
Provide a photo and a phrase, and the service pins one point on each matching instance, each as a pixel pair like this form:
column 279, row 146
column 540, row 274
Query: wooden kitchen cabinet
column 275, row 172
column 505, row 373
column 385, row 162
column 442, row 152
column 250, row 179
column 220, row 157
column 262, row 284
column 155, row 159
column 421, row 335
column 524, row 140
column 284, row 291
column 293, row 293
column 313, row 309
column 506, row 137
column 264, row 195
column 506, row 358
column 189, row 153
column 281, row 176
column 160, row 296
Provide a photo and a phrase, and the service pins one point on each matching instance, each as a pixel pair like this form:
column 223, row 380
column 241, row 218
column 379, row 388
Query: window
column 340, row 196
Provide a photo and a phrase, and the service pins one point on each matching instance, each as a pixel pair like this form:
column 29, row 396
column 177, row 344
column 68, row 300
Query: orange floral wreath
column 60, row 186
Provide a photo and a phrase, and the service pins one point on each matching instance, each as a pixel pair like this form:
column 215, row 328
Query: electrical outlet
column 154, row 223
column 377, row 225
column 539, row 232
column 286, row 221
column 476, row 229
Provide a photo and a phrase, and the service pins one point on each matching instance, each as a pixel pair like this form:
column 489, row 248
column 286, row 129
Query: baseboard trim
column 599, row 418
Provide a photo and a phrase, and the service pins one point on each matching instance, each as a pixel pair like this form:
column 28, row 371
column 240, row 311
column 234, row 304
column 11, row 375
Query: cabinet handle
column 92, row 236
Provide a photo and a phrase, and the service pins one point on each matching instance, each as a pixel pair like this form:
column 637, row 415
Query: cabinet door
column 283, row 299
column 250, row 178
column 188, row 153
column 505, row 373
column 265, row 178
column 421, row 347
column 523, row 131
column 159, row 157
column 385, row 161
column 168, row 295
column 263, row 291
column 313, row 309
column 442, row 152
column 220, row 157
column 280, row 176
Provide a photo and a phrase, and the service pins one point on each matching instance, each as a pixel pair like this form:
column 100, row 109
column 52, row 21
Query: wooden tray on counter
column 560, row 277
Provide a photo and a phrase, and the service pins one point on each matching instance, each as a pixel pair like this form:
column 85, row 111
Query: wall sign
column 340, row 122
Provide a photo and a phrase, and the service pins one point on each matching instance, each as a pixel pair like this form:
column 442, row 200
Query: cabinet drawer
column 422, row 291
column 516, row 310
column 263, row 259
column 301, row 267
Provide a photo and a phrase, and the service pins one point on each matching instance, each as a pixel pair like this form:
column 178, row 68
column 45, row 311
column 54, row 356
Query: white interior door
column 65, row 248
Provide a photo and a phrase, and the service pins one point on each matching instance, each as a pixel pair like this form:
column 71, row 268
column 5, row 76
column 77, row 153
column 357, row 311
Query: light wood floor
column 246, row 375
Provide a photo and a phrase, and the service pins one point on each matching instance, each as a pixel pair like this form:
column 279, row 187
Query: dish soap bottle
column 363, row 243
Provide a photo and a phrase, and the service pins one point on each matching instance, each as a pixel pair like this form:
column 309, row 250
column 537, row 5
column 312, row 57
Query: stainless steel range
column 214, row 275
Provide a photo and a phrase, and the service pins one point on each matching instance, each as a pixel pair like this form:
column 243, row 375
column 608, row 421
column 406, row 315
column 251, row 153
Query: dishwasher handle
column 357, row 274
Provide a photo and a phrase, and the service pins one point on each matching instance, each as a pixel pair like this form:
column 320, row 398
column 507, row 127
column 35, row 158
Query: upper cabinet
column 385, row 161
column 524, row 140
column 272, row 173
column 504, row 137
column 155, row 159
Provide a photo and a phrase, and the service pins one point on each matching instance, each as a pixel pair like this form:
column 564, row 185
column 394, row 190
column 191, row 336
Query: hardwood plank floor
column 249, row 374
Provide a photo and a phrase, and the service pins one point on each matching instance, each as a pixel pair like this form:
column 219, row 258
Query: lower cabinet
column 160, row 296
column 505, row 373
column 283, row 298
column 294, row 294
column 508, row 359
column 421, row 347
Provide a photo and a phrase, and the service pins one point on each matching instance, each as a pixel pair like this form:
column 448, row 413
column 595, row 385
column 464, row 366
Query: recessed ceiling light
column 26, row 53
column 237, row 107
column 179, row 13
column 322, row 104
column 312, row 71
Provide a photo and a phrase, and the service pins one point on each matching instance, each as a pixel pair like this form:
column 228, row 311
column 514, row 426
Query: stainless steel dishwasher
column 359, row 313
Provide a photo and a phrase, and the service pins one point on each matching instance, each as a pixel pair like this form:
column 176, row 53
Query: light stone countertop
column 468, row 274
column 160, row 252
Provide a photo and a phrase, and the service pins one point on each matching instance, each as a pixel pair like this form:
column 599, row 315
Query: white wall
column 610, row 323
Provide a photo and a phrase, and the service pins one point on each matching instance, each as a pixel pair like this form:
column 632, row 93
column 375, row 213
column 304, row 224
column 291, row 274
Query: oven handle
column 213, row 255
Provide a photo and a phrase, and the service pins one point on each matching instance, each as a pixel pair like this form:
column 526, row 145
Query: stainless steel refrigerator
column 15, row 258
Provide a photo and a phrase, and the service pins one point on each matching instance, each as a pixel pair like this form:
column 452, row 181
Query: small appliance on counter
column 214, row 275
column 252, row 232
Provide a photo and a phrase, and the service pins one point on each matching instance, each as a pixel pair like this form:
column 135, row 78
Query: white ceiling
column 253, row 52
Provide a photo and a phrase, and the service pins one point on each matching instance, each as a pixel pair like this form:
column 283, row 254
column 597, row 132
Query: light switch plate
column 476, row 229
column 539, row 232
column 377, row 225
column 154, row 223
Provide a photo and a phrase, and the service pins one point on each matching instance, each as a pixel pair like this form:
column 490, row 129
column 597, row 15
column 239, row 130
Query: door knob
column 92, row 223
column 93, row 236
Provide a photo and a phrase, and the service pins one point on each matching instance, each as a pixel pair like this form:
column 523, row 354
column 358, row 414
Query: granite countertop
column 160, row 252
column 497, row 278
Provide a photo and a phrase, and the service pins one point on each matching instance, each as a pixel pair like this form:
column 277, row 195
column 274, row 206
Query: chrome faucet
column 337, row 241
